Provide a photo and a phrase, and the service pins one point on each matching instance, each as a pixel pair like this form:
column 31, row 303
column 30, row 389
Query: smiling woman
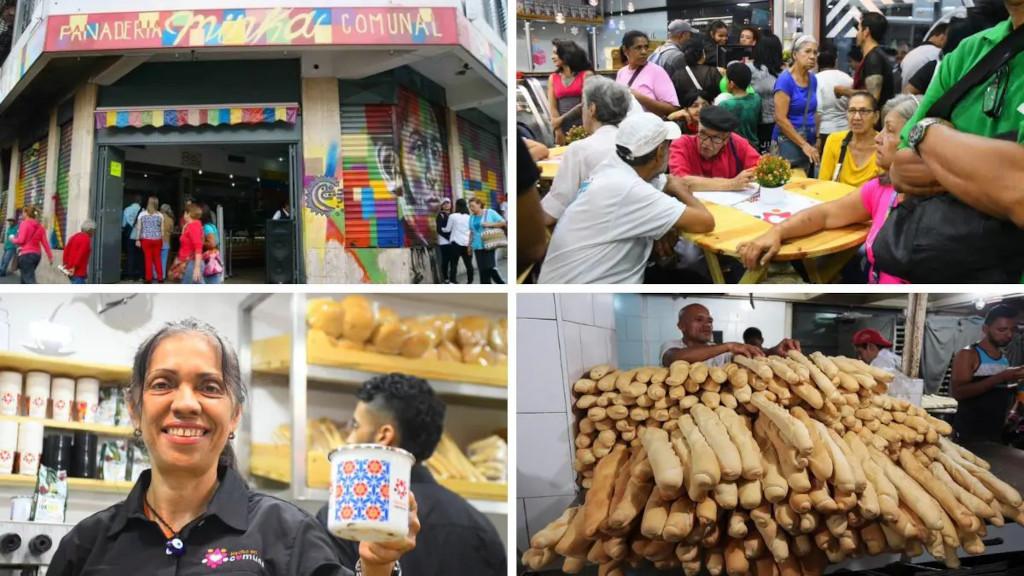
column 193, row 508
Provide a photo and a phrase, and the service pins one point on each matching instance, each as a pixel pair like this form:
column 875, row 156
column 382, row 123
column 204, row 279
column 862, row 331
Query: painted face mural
column 423, row 159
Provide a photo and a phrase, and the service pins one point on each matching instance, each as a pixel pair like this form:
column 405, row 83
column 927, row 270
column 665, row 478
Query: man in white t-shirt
column 607, row 232
column 874, row 349
column 832, row 109
column 697, row 328
column 923, row 54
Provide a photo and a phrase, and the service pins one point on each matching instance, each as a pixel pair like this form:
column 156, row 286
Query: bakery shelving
column 99, row 429
column 64, row 367
column 83, row 484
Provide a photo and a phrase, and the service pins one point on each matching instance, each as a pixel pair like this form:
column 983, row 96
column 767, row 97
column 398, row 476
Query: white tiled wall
column 557, row 338
column 646, row 321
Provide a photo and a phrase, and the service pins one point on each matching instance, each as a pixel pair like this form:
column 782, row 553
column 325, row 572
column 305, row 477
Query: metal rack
column 300, row 375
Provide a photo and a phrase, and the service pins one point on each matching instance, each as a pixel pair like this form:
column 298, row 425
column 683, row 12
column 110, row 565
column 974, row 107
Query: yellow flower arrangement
column 772, row 171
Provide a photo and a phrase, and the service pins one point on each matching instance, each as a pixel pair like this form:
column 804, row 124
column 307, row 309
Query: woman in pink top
column 31, row 241
column 565, row 87
column 649, row 83
column 873, row 204
column 191, row 250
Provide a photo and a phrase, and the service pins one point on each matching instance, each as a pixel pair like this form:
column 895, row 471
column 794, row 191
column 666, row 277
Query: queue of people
column 914, row 162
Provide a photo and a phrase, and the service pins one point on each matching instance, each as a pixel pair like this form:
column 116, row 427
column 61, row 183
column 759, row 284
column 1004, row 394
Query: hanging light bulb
column 622, row 24
column 593, row 2
column 630, row 7
column 559, row 18
column 574, row 31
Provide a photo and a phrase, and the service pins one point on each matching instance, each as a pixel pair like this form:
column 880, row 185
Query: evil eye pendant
column 175, row 547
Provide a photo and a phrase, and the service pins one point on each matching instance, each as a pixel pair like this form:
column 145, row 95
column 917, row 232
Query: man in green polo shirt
column 979, row 158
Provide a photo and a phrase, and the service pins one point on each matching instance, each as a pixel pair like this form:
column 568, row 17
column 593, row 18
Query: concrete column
column 83, row 142
column 50, row 180
column 12, row 186
column 455, row 156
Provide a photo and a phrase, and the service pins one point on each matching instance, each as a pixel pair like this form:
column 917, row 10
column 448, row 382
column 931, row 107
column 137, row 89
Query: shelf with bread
column 82, row 484
column 98, row 429
column 478, row 478
column 70, row 368
column 352, row 340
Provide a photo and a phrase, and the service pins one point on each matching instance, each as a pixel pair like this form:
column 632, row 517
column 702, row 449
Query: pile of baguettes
column 766, row 466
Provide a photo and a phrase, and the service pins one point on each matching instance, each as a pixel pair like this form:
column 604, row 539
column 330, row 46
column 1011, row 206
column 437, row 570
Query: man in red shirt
column 76, row 253
column 716, row 158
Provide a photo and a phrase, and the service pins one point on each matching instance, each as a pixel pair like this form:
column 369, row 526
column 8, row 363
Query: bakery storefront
column 68, row 448
column 769, row 433
column 361, row 119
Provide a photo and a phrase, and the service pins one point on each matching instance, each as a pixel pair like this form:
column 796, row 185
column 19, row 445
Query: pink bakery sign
column 251, row 27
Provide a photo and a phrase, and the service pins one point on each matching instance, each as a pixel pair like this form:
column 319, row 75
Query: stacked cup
column 10, row 393
column 37, row 393
column 8, row 445
column 63, row 394
column 87, row 399
column 30, row 447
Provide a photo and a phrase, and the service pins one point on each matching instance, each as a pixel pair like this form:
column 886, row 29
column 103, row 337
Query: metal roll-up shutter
column 423, row 155
column 368, row 167
column 483, row 171
column 60, row 220
column 32, row 175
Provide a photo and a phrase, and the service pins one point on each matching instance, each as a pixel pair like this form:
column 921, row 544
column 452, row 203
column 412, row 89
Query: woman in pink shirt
column 649, row 83
column 872, row 204
column 191, row 250
column 565, row 87
column 31, row 241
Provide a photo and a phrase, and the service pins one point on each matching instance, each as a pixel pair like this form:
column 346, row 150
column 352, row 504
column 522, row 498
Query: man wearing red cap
column 874, row 349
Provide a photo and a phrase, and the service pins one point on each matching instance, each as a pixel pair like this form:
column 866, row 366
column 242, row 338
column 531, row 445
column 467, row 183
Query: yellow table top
column 549, row 166
column 733, row 226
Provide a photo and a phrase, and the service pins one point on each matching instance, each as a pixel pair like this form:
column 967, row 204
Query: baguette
column 743, row 439
column 548, row 536
column 680, row 520
column 760, row 369
column 703, row 469
column 976, row 505
column 598, row 500
column 819, row 460
column 957, row 511
column 717, row 436
column 655, row 515
column 775, row 485
column 825, row 364
column 792, row 430
column 726, row 494
column 668, row 470
column 911, row 493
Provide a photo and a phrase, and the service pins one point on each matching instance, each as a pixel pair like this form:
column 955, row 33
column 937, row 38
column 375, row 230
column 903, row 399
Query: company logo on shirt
column 217, row 557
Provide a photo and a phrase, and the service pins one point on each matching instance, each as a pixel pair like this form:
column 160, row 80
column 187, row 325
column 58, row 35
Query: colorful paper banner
column 214, row 116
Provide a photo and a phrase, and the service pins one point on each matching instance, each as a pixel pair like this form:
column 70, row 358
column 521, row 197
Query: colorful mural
column 483, row 171
column 252, row 27
column 32, row 175
column 60, row 214
column 368, row 177
column 213, row 116
column 423, row 156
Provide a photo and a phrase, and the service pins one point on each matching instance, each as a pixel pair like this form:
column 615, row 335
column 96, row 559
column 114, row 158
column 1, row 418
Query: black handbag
column 939, row 239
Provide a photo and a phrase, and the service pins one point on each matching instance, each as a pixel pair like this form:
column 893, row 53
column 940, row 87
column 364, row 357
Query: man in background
column 874, row 349
column 875, row 71
column 76, row 253
column 10, row 249
column 670, row 54
column 981, row 379
column 753, row 337
column 129, row 234
column 923, row 54
column 697, row 344
column 455, row 538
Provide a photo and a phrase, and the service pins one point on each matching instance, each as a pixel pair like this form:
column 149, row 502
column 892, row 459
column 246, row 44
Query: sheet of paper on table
column 774, row 213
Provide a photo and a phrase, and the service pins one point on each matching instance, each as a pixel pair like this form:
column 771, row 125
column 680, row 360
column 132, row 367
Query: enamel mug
column 369, row 498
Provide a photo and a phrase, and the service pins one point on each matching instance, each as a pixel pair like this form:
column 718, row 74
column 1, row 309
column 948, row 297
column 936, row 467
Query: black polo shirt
column 455, row 538
column 241, row 532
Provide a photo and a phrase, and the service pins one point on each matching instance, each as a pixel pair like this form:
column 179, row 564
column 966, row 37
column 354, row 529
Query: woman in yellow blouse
column 859, row 165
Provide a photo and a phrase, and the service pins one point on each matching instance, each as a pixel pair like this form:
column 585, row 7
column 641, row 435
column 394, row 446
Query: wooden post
column 917, row 310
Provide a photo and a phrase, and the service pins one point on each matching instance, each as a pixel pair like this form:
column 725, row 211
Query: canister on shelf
column 8, row 445
column 62, row 391
column 21, row 508
column 83, row 455
column 37, row 394
column 10, row 393
column 87, row 399
column 30, row 447
column 57, row 449
column 369, row 499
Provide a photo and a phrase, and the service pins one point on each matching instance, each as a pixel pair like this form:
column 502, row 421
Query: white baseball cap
column 641, row 134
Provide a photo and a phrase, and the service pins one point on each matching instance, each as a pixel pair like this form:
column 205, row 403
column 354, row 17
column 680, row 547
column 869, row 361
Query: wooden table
column 549, row 166
column 823, row 254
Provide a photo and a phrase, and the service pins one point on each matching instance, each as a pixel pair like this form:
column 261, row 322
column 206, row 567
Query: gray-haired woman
column 796, row 103
column 193, row 508
column 605, row 104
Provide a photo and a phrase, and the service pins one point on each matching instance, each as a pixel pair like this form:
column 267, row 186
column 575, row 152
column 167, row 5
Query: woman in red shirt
column 191, row 250
column 31, row 241
column 565, row 87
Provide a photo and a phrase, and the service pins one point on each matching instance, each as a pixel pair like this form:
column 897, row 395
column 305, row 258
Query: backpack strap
column 997, row 57
column 842, row 156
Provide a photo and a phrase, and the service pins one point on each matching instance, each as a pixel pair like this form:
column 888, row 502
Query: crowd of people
column 936, row 176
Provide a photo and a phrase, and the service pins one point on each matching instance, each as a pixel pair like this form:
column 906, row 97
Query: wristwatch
column 396, row 571
column 918, row 132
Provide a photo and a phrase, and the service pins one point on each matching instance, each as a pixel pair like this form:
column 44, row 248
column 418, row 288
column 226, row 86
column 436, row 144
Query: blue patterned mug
column 369, row 498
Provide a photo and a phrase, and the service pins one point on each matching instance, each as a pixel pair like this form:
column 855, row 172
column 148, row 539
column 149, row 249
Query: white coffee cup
column 37, row 394
column 62, row 392
column 369, row 498
column 8, row 445
column 10, row 393
column 87, row 399
column 30, row 447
